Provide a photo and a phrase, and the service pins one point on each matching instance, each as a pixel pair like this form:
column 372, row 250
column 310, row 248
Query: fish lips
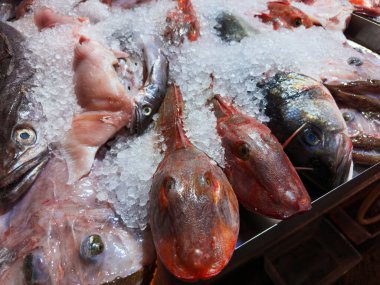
column 328, row 174
column 17, row 182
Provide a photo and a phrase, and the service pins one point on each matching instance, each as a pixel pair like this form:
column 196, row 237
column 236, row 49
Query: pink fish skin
column 194, row 213
column 107, row 107
column 46, row 18
column 261, row 174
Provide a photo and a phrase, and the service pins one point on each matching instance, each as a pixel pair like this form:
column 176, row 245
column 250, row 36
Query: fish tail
column 170, row 121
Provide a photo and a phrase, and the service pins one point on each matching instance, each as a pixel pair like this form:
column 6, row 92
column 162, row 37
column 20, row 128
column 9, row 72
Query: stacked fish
column 132, row 129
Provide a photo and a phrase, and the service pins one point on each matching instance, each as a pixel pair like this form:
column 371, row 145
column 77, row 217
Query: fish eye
column 25, row 136
column 243, row 151
column 297, row 22
column 348, row 117
column 206, row 178
column 91, row 247
column 311, row 138
column 147, row 110
column 167, row 186
column 354, row 61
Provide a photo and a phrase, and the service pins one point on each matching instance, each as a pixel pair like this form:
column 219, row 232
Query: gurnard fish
column 107, row 106
column 301, row 108
column 359, row 102
column 23, row 150
column 182, row 22
column 283, row 15
column 60, row 234
column 257, row 167
column 194, row 213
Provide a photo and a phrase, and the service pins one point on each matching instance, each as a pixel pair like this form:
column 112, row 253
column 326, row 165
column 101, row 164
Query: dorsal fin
column 223, row 108
column 170, row 122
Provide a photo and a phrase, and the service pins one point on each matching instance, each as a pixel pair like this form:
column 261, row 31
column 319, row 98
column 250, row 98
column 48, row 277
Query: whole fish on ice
column 260, row 173
column 301, row 108
column 23, row 150
column 194, row 213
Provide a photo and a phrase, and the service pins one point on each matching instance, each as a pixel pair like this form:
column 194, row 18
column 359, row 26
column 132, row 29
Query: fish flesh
column 260, row 173
column 23, row 150
column 301, row 108
column 194, row 213
column 359, row 102
column 60, row 234
column 107, row 105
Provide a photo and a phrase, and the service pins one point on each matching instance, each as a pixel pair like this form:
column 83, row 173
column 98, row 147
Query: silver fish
column 301, row 106
column 23, row 151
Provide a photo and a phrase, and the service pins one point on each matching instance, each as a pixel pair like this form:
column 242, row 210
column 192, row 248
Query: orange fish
column 194, row 213
column 282, row 14
column 181, row 22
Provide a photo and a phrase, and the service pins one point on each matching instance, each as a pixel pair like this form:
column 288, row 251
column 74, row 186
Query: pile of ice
column 123, row 169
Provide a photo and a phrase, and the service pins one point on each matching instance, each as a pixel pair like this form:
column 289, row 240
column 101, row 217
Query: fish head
column 194, row 215
column 261, row 174
column 282, row 14
column 325, row 150
column 23, row 154
column 152, row 95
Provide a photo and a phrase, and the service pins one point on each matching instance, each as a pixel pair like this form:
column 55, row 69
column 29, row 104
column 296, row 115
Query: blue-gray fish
column 23, row 151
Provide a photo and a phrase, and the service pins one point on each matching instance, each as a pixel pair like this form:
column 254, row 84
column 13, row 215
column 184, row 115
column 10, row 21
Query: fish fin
column 170, row 121
column 264, row 17
column 292, row 136
column 89, row 131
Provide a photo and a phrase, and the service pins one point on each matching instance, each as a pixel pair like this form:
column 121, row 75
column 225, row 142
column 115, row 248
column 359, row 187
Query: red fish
column 261, row 174
column 370, row 8
column 181, row 22
column 282, row 14
column 194, row 213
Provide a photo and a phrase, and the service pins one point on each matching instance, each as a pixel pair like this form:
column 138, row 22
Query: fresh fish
column 23, row 150
column 359, row 102
column 107, row 105
column 45, row 18
column 302, row 107
column 369, row 8
column 194, row 213
column 282, row 15
column 261, row 174
column 60, row 234
column 182, row 22
column 232, row 28
column 149, row 98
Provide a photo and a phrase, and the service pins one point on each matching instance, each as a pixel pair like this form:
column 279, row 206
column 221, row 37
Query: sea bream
column 261, row 174
column 302, row 109
column 23, row 150
column 194, row 213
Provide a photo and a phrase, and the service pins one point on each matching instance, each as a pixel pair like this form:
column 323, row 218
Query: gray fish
column 23, row 152
column 231, row 28
column 152, row 94
column 303, row 114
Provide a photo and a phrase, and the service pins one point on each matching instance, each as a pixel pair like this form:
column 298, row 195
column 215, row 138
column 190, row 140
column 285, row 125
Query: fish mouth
column 16, row 183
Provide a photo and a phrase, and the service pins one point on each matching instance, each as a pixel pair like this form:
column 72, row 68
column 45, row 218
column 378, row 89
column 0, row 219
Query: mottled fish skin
column 261, row 174
column 23, row 150
column 194, row 213
column 298, row 102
